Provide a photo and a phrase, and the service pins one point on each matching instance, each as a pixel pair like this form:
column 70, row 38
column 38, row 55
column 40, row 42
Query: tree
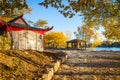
column 71, row 7
column 13, row 8
column 55, row 39
column 96, row 40
column 84, row 33
column 112, row 29
column 41, row 23
column 95, row 12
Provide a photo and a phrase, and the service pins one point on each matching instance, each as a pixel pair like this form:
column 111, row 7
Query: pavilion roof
column 19, row 23
column 75, row 40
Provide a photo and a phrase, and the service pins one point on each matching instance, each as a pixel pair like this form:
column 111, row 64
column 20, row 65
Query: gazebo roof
column 75, row 40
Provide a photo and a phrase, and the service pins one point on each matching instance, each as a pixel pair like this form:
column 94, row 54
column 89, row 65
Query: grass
column 25, row 64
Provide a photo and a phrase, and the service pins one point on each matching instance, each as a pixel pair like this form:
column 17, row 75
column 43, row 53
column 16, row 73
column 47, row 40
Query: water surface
column 105, row 48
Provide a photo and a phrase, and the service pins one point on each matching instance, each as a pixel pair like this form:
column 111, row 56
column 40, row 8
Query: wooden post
column 78, row 45
column 85, row 45
column 67, row 44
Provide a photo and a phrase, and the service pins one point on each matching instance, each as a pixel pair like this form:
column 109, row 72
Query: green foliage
column 13, row 8
column 41, row 23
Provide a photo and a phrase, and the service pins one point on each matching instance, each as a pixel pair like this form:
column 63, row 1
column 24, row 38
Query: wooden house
column 23, row 35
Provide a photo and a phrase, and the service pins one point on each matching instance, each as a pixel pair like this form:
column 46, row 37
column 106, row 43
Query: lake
column 105, row 48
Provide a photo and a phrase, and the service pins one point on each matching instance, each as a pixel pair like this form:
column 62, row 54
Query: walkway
column 86, row 65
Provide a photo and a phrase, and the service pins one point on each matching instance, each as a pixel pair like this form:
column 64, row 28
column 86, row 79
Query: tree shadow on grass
column 26, row 59
column 95, row 64
column 110, row 57
column 86, row 73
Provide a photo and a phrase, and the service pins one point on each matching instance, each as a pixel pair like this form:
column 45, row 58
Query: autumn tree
column 12, row 8
column 41, row 23
column 86, row 7
column 84, row 33
column 112, row 29
column 96, row 41
column 55, row 39
column 95, row 12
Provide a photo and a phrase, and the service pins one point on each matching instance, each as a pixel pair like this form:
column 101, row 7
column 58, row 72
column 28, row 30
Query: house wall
column 27, row 40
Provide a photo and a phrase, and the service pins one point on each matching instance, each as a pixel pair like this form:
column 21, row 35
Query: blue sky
column 54, row 18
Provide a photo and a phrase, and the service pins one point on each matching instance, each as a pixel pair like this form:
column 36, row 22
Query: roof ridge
column 21, row 16
column 15, row 19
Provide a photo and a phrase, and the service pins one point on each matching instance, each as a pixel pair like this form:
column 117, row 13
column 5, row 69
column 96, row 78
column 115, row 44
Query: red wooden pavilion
column 24, row 36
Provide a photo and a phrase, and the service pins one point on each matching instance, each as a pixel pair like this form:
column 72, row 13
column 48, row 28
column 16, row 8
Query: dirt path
column 89, row 65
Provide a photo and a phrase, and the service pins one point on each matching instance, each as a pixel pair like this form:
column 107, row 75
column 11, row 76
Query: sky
column 53, row 17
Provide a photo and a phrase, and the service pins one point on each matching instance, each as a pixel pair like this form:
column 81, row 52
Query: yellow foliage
column 6, row 19
column 104, row 23
column 97, row 41
column 92, row 23
column 88, row 31
column 112, row 29
column 95, row 2
column 4, row 43
column 58, row 38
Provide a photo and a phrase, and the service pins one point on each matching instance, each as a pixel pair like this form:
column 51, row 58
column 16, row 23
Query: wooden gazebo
column 76, row 43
